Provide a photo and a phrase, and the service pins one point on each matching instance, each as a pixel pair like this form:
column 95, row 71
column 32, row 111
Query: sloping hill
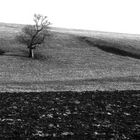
column 70, row 60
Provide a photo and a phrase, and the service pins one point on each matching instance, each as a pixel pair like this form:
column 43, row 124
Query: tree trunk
column 31, row 53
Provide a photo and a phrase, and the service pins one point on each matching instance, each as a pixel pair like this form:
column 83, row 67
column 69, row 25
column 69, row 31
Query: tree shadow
column 24, row 54
column 39, row 56
column 2, row 52
column 110, row 47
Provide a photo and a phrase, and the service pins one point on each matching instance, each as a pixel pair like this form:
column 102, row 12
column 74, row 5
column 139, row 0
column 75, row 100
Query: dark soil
column 70, row 115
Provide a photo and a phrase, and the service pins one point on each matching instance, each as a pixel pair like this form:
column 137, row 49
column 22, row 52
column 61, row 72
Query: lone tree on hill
column 34, row 35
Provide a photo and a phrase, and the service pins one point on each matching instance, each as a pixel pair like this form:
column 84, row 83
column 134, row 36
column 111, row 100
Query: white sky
column 102, row 15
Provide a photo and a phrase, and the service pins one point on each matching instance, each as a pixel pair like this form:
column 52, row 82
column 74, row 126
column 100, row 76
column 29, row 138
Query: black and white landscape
column 80, row 85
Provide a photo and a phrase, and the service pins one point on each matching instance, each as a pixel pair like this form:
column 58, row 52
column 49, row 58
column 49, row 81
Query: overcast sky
column 102, row 15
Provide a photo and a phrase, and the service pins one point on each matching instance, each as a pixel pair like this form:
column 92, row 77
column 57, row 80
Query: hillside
column 70, row 60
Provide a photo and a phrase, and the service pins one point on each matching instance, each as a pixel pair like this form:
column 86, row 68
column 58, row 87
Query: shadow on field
column 39, row 56
column 25, row 55
column 2, row 52
column 111, row 47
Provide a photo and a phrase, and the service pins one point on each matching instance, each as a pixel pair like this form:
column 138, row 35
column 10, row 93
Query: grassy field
column 70, row 60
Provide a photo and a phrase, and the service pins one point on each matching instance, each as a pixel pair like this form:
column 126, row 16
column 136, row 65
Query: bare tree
column 34, row 35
